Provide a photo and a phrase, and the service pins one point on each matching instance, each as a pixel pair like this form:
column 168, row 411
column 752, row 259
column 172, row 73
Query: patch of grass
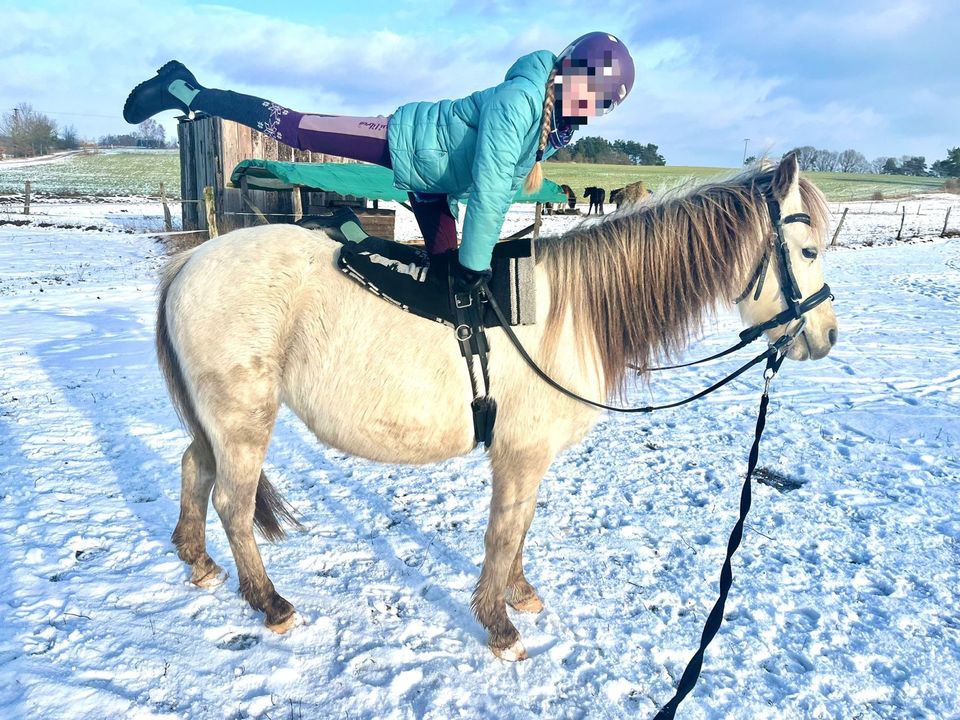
column 836, row 186
column 105, row 173
column 777, row 480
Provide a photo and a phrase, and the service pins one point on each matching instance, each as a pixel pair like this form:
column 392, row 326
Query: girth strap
column 467, row 308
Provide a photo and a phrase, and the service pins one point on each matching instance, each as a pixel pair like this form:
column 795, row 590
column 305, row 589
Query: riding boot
column 175, row 88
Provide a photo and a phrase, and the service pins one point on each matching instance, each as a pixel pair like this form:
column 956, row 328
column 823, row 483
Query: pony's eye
column 810, row 253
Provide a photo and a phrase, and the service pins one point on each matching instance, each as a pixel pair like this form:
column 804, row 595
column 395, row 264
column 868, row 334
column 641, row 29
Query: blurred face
column 578, row 100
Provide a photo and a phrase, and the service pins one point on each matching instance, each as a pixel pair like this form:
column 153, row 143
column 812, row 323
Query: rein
column 776, row 352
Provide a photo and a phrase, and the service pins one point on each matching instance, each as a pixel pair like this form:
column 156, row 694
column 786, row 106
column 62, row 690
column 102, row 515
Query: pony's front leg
column 512, row 505
column 520, row 594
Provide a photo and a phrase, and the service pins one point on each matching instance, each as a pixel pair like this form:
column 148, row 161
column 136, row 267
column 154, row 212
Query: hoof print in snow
column 239, row 642
column 780, row 483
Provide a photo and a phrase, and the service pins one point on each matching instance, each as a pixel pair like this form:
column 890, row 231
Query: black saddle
column 408, row 278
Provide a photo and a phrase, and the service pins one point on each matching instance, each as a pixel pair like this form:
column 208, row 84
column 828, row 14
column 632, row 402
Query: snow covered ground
column 845, row 598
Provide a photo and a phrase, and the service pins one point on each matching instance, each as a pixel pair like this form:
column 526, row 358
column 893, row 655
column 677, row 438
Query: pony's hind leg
column 234, row 497
column 196, row 481
column 515, row 481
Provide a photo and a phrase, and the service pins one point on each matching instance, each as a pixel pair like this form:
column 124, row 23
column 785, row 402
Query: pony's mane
column 639, row 283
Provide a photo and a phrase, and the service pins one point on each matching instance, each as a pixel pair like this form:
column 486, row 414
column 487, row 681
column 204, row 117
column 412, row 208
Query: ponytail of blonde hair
column 535, row 177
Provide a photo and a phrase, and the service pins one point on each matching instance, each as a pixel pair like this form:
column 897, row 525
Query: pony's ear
column 786, row 176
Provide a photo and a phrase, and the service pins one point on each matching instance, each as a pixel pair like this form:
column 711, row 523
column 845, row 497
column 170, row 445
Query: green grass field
column 102, row 173
column 140, row 172
column 836, row 186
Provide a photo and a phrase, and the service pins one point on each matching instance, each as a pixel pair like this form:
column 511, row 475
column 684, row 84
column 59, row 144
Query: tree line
column 812, row 159
column 618, row 152
column 25, row 132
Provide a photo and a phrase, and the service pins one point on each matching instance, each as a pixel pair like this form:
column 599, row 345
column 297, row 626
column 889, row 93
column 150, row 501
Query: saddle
column 409, row 279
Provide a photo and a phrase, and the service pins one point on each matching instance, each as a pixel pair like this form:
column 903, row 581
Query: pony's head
column 803, row 211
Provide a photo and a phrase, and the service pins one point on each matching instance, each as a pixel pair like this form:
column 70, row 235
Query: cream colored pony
column 262, row 316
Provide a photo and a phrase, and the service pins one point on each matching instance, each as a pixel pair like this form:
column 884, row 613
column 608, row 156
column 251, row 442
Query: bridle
column 789, row 288
column 796, row 308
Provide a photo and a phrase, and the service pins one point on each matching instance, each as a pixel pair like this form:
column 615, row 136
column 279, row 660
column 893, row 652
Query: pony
column 634, row 192
column 262, row 316
column 597, row 195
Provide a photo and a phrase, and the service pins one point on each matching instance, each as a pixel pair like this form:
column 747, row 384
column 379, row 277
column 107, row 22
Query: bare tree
column 151, row 134
column 825, row 160
column 69, row 139
column 30, row 132
column 878, row 164
column 851, row 161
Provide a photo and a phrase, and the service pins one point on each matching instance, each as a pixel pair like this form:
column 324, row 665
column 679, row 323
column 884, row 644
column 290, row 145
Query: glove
column 467, row 280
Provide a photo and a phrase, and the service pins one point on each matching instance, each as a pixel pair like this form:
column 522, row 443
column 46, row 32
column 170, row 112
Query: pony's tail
column 535, row 177
column 270, row 508
column 170, row 363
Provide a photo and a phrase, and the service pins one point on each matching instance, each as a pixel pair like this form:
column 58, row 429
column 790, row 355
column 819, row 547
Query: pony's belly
column 394, row 430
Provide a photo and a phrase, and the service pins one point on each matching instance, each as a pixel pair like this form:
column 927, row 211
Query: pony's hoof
column 514, row 653
column 530, row 604
column 284, row 625
column 210, row 579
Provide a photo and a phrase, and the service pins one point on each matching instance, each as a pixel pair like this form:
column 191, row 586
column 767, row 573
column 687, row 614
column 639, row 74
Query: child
column 479, row 148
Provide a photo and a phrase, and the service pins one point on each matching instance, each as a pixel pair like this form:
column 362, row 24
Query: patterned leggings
column 357, row 138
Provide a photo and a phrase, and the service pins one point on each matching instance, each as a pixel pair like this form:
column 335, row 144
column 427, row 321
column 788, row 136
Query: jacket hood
column 534, row 67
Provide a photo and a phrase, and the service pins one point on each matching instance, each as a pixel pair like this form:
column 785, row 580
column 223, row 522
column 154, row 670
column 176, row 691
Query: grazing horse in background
column 262, row 317
column 597, row 196
column 571, row 197
column 634, row 192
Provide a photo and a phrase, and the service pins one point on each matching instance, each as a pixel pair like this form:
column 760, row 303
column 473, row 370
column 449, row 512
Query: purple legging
column 357, row 138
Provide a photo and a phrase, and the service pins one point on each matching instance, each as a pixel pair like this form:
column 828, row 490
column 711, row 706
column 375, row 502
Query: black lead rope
column 692, row 672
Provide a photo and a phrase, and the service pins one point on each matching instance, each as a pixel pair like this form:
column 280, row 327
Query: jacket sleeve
column 505, row 122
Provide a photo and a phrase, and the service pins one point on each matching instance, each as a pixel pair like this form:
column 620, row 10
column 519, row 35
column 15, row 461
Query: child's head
column 594, row 74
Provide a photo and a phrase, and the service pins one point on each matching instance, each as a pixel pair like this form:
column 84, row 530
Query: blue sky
column 879, row 77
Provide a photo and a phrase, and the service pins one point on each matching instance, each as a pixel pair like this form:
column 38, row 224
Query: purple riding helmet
column 605, row 61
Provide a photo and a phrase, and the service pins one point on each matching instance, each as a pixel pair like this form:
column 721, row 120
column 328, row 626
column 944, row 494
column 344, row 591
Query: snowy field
column 845, row 598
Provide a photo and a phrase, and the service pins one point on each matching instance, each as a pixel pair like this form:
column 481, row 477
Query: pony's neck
column 638, row 284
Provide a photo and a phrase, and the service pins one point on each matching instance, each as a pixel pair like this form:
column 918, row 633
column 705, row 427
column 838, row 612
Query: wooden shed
column 210, row 148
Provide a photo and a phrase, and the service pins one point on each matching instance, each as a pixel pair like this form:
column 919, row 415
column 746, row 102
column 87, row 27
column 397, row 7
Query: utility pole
column 746, row 141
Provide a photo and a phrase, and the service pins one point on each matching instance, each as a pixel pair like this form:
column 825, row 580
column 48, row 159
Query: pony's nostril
column 832, row 336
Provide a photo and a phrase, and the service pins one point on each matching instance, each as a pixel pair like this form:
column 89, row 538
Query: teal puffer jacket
column 478, row 148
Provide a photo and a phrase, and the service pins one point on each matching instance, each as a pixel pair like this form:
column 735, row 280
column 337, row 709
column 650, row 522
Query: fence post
column 211, row 211
column 839, row 225
column 167, row 220
column 943, row 233
column 297, row 203
column 903, row 217
column 26, row 198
